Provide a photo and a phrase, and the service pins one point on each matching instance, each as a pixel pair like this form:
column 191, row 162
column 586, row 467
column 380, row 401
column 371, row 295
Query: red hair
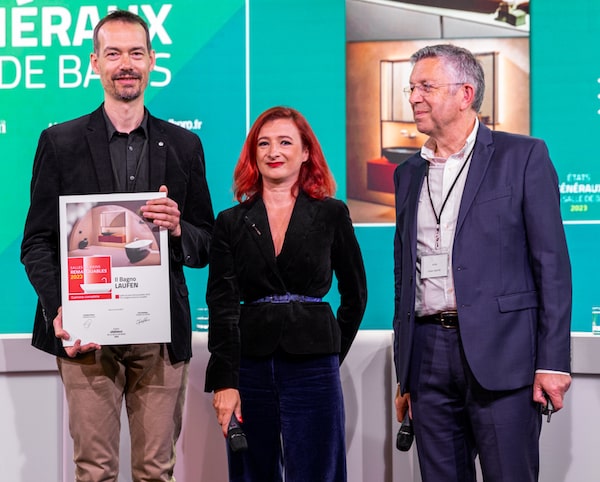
column 315, row 178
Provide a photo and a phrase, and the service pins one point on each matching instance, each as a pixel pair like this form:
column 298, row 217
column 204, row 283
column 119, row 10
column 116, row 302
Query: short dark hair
column 121, row 16
column 462, row 62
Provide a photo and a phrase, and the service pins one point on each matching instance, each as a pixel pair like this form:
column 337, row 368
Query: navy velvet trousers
column 293, row 417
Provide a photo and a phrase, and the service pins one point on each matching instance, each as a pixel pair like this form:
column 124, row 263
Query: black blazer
column 243, row 268
column 74, row 158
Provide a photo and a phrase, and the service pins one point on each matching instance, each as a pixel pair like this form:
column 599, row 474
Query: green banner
column 219, row 64
column 199, row 82
column 565, row 96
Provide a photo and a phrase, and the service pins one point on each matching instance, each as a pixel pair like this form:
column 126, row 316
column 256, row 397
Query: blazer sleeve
column 40, row 245
column 223, row 300
column 550, row 261
column 197, row 217
column 347, row 263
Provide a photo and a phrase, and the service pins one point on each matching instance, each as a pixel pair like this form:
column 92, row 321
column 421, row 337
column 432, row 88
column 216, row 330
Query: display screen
column 343, row 64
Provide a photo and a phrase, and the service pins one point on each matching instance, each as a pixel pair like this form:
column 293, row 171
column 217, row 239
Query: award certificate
column 114, row 270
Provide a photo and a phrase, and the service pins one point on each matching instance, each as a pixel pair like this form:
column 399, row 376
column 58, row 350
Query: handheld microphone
column 547, row 409
column 236, row 436
column 405, row 436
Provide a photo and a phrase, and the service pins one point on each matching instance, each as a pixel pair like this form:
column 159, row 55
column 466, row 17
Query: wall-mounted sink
column 397, row 155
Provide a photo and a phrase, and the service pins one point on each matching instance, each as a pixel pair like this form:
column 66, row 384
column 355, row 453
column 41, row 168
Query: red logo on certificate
column 89, row 278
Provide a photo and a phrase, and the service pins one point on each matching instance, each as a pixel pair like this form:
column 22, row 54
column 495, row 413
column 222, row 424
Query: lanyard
column 438, row 217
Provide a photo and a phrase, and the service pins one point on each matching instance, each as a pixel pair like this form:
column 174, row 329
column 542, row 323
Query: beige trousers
column 154, row 392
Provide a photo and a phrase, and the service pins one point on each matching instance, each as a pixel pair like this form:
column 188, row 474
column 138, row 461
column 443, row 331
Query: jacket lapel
column 301, row 222
column 257, row 224
column 414, row 192
column 157, row 152
column 482, row 155
column 97, row 139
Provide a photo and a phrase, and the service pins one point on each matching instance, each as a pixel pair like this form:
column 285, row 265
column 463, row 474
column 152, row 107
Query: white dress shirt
column 437, row 294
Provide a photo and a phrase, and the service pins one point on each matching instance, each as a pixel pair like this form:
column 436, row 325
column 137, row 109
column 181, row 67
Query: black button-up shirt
column 129, row 156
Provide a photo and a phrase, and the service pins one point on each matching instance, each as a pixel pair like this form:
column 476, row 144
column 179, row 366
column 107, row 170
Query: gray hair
column 463, row 64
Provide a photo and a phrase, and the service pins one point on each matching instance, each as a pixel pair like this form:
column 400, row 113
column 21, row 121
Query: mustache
column 126, row 73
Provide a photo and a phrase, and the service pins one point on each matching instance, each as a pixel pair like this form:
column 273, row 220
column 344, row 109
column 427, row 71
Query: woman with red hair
column 275, row 344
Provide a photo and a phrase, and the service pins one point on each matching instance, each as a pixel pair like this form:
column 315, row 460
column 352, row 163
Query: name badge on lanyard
column 434, row 266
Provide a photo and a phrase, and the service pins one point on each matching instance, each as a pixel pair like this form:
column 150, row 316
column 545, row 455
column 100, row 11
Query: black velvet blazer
column 74, row 158
column 243, row 268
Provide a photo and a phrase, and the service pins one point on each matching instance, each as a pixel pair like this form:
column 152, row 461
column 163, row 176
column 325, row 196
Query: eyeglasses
column 426, row 88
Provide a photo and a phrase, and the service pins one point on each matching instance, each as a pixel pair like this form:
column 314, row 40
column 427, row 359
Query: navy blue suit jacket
column 510, row 263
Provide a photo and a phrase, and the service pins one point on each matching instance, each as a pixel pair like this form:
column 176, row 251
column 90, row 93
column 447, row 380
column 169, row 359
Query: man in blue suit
column 482, row 282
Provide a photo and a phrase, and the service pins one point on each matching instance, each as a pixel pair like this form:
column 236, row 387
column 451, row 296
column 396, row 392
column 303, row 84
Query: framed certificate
column 114, row 270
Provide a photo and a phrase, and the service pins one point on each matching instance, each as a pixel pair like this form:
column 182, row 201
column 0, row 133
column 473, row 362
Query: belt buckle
column 280, row 299
column 448, row 319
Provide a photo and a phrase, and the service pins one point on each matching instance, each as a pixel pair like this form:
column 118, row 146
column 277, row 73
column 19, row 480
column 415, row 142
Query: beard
column 128, row 92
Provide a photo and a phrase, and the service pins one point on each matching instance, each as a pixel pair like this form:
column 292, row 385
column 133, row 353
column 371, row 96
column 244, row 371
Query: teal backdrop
column 565, row 102
column 220, row 64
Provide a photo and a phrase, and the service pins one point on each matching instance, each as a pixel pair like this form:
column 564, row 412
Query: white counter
column 36, row 446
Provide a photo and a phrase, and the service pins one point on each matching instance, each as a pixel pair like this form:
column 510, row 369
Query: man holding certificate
column 118, row 148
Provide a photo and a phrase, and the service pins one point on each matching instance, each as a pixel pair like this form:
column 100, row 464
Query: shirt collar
column 111, row 128
column 428, row 154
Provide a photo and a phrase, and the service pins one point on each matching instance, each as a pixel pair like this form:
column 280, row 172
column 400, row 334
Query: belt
column 446, row 319
column 286, row 298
